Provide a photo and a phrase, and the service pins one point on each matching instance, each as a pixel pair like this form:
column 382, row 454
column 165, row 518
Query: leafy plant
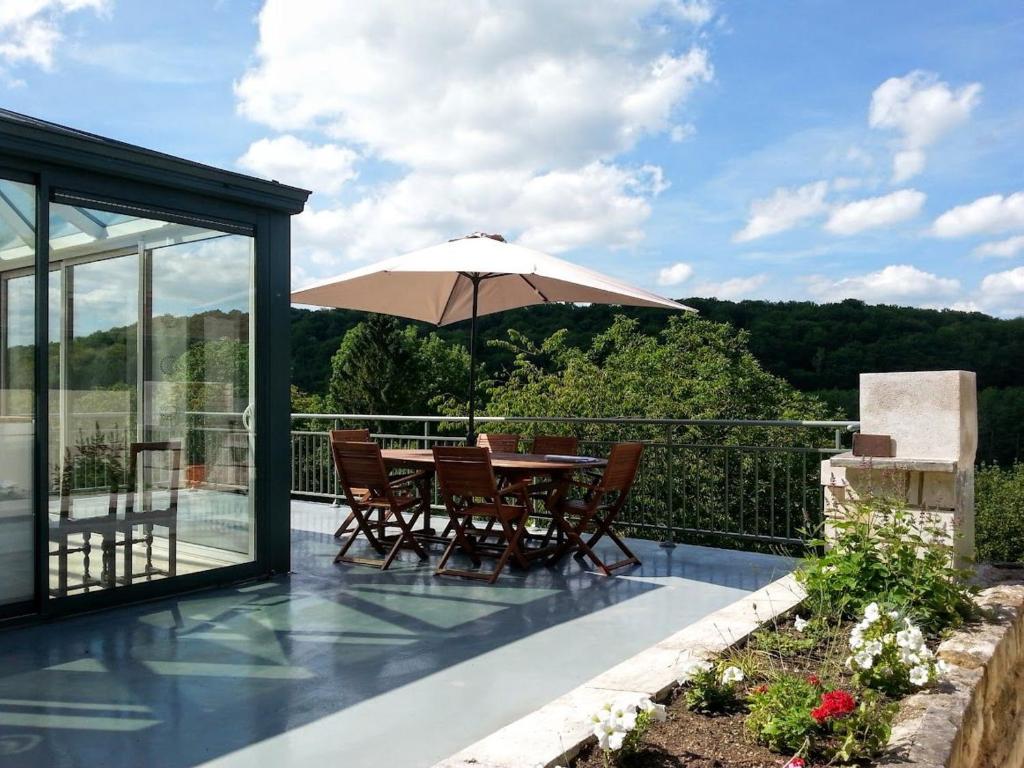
column 709, row 689
column 865, row 731
column 890, row 653
column 999, row 513
column 780, row 712
column 881, row 552
column 785, row 642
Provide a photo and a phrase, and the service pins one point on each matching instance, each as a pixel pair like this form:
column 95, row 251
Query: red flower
column 761, row 689
column 795, row 762
column 814, row 680
column 834, row 704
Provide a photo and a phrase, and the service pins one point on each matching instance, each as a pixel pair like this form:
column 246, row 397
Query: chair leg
column 404, row 539
column 343, row 528
column 461, row 541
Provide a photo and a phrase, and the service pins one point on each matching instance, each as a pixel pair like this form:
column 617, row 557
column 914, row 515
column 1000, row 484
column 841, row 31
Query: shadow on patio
column 339, row 662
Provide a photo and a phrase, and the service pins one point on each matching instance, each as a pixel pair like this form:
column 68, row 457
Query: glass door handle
column 247, row 418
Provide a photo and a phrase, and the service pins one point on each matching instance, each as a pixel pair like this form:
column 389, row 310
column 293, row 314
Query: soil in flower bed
column 691, row 740
column 696, row 740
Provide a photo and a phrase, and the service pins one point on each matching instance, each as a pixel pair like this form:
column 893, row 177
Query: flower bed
column 820, row 688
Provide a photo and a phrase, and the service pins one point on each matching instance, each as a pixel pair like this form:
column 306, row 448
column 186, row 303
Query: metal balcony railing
column 755, row 483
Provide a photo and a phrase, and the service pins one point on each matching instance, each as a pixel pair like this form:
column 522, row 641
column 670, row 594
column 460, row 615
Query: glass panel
column 17, row 399
column 151, row 448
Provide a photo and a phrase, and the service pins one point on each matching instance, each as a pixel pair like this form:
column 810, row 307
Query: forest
column 818, row 349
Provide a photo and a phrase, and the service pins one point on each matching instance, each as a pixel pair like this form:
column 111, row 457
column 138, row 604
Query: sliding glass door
column 151, row 442
column 17, row 398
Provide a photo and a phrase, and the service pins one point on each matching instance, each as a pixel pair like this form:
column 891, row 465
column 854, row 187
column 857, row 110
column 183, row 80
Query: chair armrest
column 515, row 489
column 398, row 482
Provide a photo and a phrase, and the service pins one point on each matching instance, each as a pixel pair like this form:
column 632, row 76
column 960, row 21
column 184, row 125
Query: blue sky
column 786, row 150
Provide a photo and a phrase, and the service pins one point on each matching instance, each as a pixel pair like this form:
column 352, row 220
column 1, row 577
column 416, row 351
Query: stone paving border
column 557, row 732
column 977, row 719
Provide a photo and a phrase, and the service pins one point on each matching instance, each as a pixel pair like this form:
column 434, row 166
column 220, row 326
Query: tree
column 385, row 366
column 692, row 369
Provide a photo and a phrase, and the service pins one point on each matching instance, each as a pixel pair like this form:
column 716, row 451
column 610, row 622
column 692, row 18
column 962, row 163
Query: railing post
column 426, row 434
column 669, row 542
column 839, row 439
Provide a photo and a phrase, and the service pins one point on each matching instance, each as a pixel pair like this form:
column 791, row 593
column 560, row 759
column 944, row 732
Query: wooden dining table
column 513, row 466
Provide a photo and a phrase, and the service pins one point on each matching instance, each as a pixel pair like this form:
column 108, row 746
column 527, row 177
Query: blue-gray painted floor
column 340, row 663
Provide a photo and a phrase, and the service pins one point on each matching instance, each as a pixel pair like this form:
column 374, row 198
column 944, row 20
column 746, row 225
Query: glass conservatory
column 141, row 299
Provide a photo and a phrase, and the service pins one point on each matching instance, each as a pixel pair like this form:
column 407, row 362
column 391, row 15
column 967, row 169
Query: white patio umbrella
column 467, row 277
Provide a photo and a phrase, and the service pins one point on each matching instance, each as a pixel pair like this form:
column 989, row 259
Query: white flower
column 908, row 657
column 690, row 669
column 800, row 623
column 942, row 668
column 829, row 569
column 609, row 737
column 871, row 613
column 864, row 660
column 856, row 639
column 862, row 626
column 874, row 647
column 919, row 675
column 732, row 675
column 888, row 638
column 656, row 711
column 910, row 638
column 894, row 615
column 623, row 714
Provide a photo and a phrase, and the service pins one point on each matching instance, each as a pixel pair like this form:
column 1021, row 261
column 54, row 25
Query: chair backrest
column 360, row 465
column 464, row 472
column 169, row 470
column 350, row 435
column 499, row 442
column 555, row 445
column 620, row 472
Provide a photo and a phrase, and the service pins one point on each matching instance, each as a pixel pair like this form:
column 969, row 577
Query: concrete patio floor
column 340, row 663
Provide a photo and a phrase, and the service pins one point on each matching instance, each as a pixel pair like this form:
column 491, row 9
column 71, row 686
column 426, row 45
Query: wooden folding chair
column 498, row 442
column 543, row 488
column 349, row 436
column 370, row 491
column 555, row 445
column 469, row 488
column 601, row 504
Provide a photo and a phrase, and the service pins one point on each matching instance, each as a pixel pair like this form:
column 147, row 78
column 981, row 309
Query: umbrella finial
column 497, row 237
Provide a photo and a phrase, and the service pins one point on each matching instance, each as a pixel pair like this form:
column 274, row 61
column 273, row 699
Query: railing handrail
column 850, row 426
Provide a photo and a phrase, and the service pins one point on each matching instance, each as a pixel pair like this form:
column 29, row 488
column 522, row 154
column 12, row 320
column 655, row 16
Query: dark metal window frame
column 270, row 228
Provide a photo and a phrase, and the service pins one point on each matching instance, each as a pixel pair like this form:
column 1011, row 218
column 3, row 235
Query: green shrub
column 999, row 513
column 780, row 713
column 710, row 689
column 881, row 553
column 865, row 731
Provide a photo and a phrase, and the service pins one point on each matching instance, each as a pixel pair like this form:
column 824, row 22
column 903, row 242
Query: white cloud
column 498, row 116
column 1011, row 281
column 1002, row 293
column 1005, row 249
column 470, row 85
column 986, row 215
column 921, row 109
column 897, row 283
column 873, row 212
column 731, row 289
column 675, row 274
column 554, row 212
column 30, row 30
column 782, row 210
column 290, row 160
column 696, row 12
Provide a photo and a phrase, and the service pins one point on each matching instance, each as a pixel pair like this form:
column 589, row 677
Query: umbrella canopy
column 468, row 277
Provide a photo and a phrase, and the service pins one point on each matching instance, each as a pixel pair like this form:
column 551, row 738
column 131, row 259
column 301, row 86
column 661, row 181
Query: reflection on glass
column 17, row 401
column 151, row 450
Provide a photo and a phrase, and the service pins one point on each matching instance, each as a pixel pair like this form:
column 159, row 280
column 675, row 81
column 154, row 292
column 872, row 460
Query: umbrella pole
column 471, row 431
